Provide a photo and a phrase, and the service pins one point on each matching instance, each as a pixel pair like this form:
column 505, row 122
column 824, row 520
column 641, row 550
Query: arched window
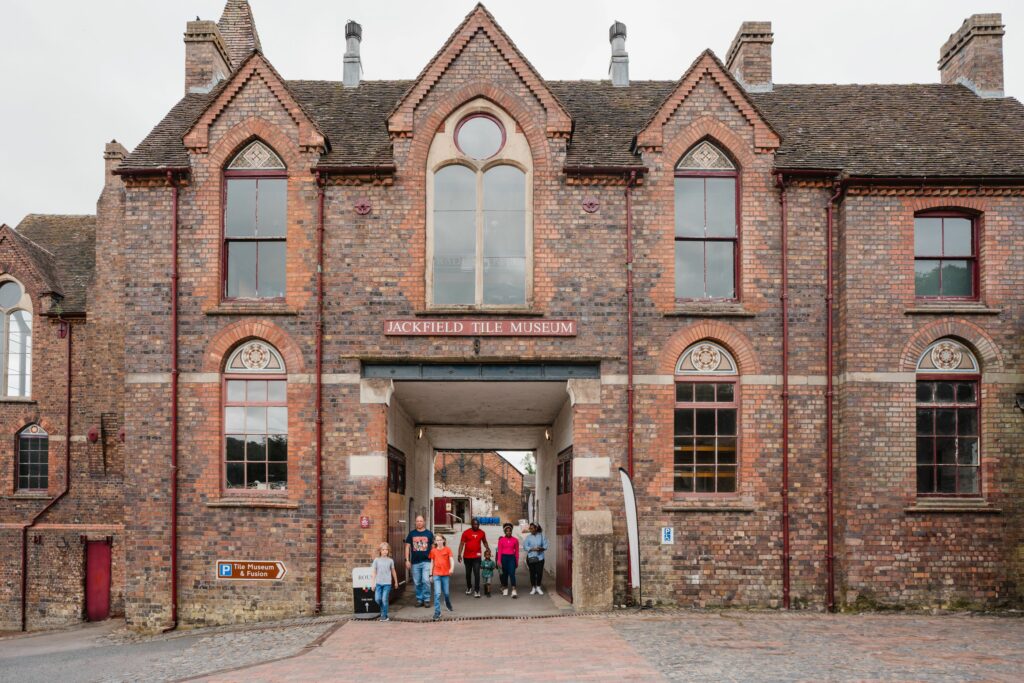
column 15, row 340
column 32, row 453
column 255, row 419
column 479, row 227
column 706, row 434
column 707, row 224
column 948, row 428
column 945, row 256
column 255, row 224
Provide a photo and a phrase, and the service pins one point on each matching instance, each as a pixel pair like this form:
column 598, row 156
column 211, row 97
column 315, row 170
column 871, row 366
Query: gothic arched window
column 15, row 340
column 32, row 450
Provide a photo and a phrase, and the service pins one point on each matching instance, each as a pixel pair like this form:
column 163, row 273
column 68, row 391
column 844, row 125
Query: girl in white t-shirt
column 383, row 577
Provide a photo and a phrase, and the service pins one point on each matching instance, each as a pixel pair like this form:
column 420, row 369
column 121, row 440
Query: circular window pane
column 480, row 137
column 10, row 294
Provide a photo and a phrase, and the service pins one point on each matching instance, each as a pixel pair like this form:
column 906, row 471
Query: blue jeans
column 381, row 596
column 508, row 571
column 421, row 577
column 441, row 584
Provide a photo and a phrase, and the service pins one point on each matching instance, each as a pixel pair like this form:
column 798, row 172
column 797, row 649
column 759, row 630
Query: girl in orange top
column 442, row 567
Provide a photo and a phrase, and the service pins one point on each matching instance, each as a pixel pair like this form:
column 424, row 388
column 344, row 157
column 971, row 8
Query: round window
column 479, row 136
column 10, row 294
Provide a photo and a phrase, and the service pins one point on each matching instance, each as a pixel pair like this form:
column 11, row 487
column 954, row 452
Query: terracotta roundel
column 255, row 356
column 706, row 358
column 946, row 355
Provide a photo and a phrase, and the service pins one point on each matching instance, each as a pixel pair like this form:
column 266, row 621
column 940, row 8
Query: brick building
column 792, row 311
column 485, row 485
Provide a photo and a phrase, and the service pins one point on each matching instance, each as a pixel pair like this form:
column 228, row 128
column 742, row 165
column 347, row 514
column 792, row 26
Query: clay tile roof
column 63, row 249
column 163, row 147
column 238, row 29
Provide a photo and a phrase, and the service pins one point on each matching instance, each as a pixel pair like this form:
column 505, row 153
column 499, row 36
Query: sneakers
column 533, row 591
column 540, row 591
column 514, row 593
column 419, row 603
column 384, row 619
column 504, row 591
column 477, row 594
column 437, row 617
column 469, row 591
column 448, row 606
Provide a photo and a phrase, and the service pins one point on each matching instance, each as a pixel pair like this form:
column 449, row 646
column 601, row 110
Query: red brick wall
column 462, row 477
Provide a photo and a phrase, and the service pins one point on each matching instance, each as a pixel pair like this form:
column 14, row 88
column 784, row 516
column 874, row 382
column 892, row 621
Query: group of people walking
column 430, row 561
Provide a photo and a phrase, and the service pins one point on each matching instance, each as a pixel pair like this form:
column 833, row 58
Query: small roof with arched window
column 256, row 156
column 706, row 358
column 705, row 156
column 948, row 356
column 255, row 356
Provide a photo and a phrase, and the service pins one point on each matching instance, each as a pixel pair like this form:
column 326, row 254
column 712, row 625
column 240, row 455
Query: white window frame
column 24, row 304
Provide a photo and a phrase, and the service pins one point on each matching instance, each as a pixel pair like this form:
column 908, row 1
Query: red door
column 97, row 580
column 563, row 525
column 441, row 511
column 398, row 525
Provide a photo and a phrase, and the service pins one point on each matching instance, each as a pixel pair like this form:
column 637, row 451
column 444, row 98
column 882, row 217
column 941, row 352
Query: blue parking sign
column 224, row 569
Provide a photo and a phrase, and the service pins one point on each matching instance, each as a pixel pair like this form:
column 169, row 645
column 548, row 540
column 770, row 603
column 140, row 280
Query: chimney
column 619, row 66
column 113, row 154
column 353, row 66
column 206, row 58
column 749, row 58
column 973, row 56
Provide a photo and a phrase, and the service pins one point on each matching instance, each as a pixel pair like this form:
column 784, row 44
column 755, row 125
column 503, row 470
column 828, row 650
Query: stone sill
column 40, row 495
column 701, row 310
column 944, row 505
column 22, row 400
column 708, row 505
column 472, row 312
column 238, row 308
column 252, row 503
column 952, row 308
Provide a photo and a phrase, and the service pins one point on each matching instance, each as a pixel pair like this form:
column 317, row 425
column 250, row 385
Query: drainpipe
column 630, row 428
column 784, row 299
column 64, row 492
column 830, row 596
column 320, row 181
column 174, row 400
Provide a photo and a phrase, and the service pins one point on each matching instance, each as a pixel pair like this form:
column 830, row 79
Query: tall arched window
column 255, row 224
column 15, row 340
column 706, row 433
column 948, row 427
column 32, row 451
column 255, row 419
column 707, row 224
column 479, row 226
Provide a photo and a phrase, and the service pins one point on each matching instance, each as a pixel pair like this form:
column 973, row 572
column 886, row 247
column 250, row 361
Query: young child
column 383, row 577
column 442, row 566
column 486, row 572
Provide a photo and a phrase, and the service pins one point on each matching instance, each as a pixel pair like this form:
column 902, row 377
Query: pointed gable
column 255, row 67
column 707, row 65
column 238, row 29
column 479, row 21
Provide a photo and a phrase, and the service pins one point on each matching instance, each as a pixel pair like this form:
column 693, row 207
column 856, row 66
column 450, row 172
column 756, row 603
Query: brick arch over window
column 970, row 205
column 972, row 336
column 729, row 338
column 256, row 128
column 225, row 341
column 714, row 131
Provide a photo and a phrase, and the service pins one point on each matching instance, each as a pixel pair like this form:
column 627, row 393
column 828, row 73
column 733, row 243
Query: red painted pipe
column 784, row 299
column 319, row 386
column 174, row 400
column 830, row 595
column 630, row 428
column 55, row 499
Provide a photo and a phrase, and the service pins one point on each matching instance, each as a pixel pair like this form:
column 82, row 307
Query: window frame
column 737, row 241
column 254, row 174
column 735, row 404
column 974, row 378
column 479, row 115
column 974, row 258
column 18, row 436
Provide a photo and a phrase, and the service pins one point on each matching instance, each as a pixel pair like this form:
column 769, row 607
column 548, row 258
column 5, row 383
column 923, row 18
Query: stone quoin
column 791, row 312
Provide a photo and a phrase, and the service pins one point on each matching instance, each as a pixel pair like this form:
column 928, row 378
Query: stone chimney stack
column 353, row 69
column 113, row 154
column 973, row 56
column 619, row 66
column 749, row 58
column 206, row 57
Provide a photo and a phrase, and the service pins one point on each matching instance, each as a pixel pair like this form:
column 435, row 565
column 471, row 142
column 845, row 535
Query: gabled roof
column 479, row 20
column 238, row 29
column 62, row 249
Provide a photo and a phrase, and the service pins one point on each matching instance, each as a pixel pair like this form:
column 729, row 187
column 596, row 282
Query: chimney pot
column 206, row 57
column 749, row 58
column 353, row 65
column 113, row 154
column 619, row 66
column 973, row 56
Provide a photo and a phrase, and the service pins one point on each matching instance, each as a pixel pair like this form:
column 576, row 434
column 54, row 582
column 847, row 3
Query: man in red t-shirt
column 469, row 549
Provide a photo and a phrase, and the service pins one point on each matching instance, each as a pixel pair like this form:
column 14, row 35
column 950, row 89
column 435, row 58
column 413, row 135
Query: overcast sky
column 75, row 74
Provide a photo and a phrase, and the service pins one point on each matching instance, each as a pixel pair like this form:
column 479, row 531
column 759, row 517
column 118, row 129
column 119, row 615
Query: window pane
column 236, row 391
column 240, row 215
column 689, row 270
column 277, row 420
column 277, row 392
column 684, row 451
column 947, row 479
column 726, row 479
column 720, row 270
column 235, row 448
column 235, row 475
column 277, row 447
column 956, row 278
column 10, row 294
column 704, row 392
column 925, row 451
column 968, row 480
column 257, row 391
column 967, row 452
column 277, row 475
column 705, row 451
column 927, row 237
column 19, row 354
column 925, row 421
column 255, row 448
column 945, row 422
column 957, row 237
column 925, row 391
column 689, row 207
column 455, row 255
column 255, row 473
column 725, row 393
column 926, row 278
column 504, row 189
column 271, row 207
column 943, row 392
column 455, row 189
column 727, row 422
column 965, row 392
column 727, row 450
column 926, row 479
column 479, row 137
column 271, row 270
column 967, row 422
column 504, row 233
column 684, row 480
column 945, row 451
column 721, row 203
column 256, row 420
column 706, row 422
column 684, row 422
column 705, row 482
column 241, row 280
column 234, row 420
column 684, row 392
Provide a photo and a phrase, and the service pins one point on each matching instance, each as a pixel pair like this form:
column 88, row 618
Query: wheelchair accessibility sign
column 270, row 570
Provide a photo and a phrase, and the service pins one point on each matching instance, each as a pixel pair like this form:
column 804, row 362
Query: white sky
column 76, row 73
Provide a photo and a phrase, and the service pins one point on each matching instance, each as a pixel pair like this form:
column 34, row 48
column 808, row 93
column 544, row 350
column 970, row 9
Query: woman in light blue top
column 535, row 544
